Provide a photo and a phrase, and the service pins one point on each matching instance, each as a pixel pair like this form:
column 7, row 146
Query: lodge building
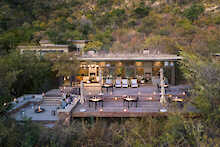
column 97, row 67
column 145, row 68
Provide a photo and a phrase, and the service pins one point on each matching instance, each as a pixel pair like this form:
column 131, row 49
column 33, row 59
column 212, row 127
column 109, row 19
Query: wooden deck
column 116, row 114
column 114, row 106
column 117, row 108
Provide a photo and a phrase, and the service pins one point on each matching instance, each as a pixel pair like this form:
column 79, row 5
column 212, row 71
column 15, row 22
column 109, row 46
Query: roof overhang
column 146, row 58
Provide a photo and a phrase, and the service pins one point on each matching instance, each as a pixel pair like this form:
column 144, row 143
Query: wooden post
column 162, row 98
column 173, row 82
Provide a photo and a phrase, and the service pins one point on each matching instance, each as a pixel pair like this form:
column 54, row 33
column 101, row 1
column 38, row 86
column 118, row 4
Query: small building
column 79, row 44
column 76, row 46
column 44, row 47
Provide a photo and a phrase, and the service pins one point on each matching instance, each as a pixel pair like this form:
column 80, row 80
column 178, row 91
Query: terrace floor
column 148, row 103
column 28, row 112
column 143, row 90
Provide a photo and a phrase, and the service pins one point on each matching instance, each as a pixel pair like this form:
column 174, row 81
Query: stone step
column 53, row 95
column 52, row 100
column 51, row 103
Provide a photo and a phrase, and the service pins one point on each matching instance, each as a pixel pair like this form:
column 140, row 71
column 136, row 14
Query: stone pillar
column 71, row 80
column 173, row 82
column 61, row 81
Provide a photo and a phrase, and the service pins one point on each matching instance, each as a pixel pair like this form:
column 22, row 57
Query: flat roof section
column 131, row 57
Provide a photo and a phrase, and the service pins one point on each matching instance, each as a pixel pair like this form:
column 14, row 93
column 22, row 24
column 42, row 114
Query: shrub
column 142, row 11
column 194, row 12
column 102, row 2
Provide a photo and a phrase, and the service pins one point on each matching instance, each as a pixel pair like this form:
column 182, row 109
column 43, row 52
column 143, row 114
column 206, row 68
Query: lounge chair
column 134, row 83
column 108, row 81
column 108, row 84
column 125, row 83
column 118, row 83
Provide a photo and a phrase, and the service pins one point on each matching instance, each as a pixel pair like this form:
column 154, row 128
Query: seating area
column 132, row 100
column 122, row 83
column 118, row 83
column 99, row 100
column 125, row 83
column 134, row 83
column 122, row 102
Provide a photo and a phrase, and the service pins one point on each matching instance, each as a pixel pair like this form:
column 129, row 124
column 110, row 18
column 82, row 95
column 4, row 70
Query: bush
column 164, row 32
column 102, row 2
column 194, row 12
column 216, row 20
column 142, row 11
column 186, row 26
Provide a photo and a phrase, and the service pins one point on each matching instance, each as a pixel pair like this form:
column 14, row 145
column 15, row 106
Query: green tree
column 93, row 45
column 64, row 65
column 161, row 44
column 202, row 73
column 20, row 74
column 142, row 11
column 194, row 12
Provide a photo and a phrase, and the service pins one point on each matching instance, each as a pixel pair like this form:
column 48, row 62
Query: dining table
column 107, row 87
column 96, row 100
column 130, row 99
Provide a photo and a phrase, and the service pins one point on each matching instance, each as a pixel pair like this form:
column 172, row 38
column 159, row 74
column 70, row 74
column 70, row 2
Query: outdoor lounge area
column 130, row 102
column 116, row 102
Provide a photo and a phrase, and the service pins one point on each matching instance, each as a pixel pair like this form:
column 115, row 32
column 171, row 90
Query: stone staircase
column 48, row 100
column 52, row 97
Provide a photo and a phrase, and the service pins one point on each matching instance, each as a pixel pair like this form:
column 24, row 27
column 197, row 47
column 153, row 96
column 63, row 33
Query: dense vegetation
column 130, row 25
column 115, row 25
column 174, row 130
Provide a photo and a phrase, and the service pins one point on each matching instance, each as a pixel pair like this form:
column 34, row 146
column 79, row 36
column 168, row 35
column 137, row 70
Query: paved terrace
column 28, row 112
column 112, row 107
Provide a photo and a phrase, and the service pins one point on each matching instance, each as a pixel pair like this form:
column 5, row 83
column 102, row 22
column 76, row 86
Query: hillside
column 128, row 25
column 166, row 26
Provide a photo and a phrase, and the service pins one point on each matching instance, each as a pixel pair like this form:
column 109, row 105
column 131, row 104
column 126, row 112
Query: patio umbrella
column 162, row 98
column 82, row 100
column 100, row 76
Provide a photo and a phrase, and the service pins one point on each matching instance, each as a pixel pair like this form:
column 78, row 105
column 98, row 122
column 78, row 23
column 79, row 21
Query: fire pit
column 39, row 110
